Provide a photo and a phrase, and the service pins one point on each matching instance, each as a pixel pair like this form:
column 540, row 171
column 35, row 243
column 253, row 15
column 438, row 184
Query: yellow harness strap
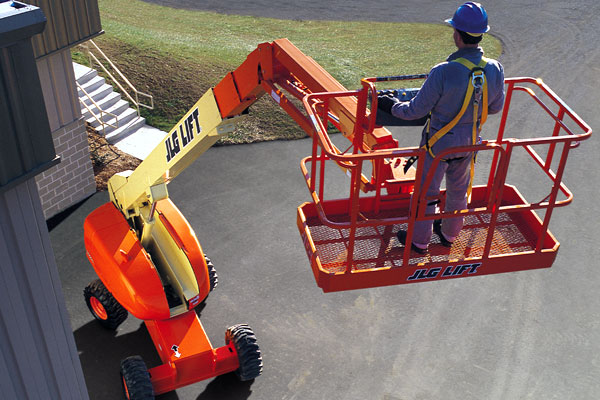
column 481, row 96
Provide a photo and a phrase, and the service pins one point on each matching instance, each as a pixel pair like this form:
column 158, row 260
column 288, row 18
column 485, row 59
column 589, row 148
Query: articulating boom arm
column 277, row 68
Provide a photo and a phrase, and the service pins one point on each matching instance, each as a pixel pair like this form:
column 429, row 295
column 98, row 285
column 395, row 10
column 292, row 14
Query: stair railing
column 136, row 95
column 100, row 118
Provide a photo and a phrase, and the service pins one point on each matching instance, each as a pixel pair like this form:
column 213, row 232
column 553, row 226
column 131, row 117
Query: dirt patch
column 107, row 160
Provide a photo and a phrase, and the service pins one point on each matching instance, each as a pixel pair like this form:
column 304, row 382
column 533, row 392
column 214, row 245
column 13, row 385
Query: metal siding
column 81, row 23
column 71, row 364
column 17, row 145
column 37, row 341
column 93, row 16
column 39, row 47
column 10, row 310
column 58, row 89
column 44, row 300
column 8, row 140
column 8, row 384
column 46, row 41
column 48, row 90
column 36, row 119
column 69, row 22
column 60, row 24
column 71, row 86
column 27, row 145
column 39, row 42
column 60, row 93
column 16, row 313
column 26, row 139
column 81, row 19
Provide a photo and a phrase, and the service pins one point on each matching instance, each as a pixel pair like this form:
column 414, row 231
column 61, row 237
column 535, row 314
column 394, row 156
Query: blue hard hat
column 471, row 18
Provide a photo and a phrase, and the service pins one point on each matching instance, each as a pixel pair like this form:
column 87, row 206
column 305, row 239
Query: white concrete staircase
column 109, row 101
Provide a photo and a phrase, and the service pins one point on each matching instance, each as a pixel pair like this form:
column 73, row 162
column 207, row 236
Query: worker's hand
column 386, row 102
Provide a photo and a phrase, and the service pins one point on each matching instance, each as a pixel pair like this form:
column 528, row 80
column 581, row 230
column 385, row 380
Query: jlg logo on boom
column 182, row 135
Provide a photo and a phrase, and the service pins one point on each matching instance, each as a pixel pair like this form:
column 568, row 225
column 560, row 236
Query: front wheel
column 136, row 379
column 213, row 279
column 103, row 306
column 212, row 274
column 249, row 355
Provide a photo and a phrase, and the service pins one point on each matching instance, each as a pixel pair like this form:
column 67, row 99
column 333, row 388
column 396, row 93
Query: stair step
column 83, row 73
column 121, row 119
column 98, row 94
column 90, row 85
column 117, row 108
column 125, row 130
column 105, row 103
column 108, row 100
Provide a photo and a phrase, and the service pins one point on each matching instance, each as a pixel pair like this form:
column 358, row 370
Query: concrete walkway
column 141, row 142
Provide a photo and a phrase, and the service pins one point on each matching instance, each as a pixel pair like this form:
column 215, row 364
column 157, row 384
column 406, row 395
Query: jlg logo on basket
column 450, row 271
column 183, row 134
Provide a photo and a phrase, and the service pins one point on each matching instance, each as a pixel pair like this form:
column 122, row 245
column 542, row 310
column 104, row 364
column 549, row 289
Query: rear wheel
column 249, row 355
column 136, row 379
column 103, row 306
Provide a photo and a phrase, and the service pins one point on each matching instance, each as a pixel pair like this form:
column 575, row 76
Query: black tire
column 249, row 355
column 103, row 306
column 212, row 274
column 136, row 379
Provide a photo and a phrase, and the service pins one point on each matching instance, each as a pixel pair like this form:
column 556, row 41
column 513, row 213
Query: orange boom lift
column 150, row 263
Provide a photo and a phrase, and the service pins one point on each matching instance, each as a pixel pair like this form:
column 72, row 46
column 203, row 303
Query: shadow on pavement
column 101, row 352
column 54, row 221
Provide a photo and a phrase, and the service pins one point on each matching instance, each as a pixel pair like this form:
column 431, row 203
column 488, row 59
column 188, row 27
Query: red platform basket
column 351, row 243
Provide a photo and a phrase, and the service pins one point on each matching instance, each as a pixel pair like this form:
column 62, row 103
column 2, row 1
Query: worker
column 443, row 96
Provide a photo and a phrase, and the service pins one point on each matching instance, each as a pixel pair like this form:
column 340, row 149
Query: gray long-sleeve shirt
column 443, row 93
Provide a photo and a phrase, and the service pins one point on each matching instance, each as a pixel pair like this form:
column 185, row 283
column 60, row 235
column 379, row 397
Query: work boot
column 437, row 228
column 401, row 235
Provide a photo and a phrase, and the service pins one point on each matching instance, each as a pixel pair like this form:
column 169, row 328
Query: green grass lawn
column 176, row 55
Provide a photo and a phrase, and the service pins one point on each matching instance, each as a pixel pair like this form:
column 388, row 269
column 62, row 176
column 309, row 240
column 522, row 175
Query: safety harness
column 477, row 91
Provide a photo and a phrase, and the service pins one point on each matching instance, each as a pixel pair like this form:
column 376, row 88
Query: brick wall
column 73, row 179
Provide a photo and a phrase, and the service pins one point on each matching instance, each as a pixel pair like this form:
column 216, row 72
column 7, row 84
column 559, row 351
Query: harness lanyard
column 476, row 89
column 479, row 85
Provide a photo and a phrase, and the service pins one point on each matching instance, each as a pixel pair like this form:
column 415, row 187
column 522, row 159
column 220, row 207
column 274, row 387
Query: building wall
column 73, row 179
column 60, row 90
column 69, row 22
column 38, row 357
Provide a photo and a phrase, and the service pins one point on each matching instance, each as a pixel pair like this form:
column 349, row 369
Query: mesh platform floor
column 378, row 247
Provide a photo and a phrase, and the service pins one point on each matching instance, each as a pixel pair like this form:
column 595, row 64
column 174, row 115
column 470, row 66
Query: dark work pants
column 457, row 173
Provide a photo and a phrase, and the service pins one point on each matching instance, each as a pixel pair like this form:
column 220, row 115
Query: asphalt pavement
column 526, row 335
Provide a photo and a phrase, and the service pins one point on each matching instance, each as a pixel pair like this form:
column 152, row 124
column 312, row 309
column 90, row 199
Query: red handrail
column 353, row 158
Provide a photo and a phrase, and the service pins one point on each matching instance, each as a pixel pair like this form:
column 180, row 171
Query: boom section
column 195, row 133
column 278, row 68
column 281, row 70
